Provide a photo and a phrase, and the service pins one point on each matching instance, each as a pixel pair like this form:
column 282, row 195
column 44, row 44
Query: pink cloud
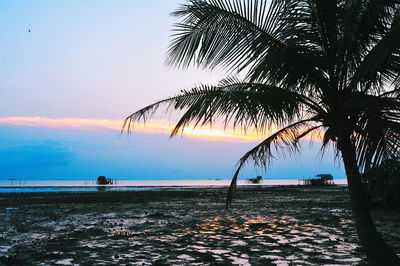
column 151, row 126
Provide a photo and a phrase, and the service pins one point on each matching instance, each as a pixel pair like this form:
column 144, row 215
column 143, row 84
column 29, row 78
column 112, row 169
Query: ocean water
column 13, row 185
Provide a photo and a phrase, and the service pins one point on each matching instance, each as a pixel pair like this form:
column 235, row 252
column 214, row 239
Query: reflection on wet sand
column 284, row 226
column 268, row 233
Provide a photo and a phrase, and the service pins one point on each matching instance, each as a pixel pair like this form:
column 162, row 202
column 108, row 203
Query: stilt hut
column 256, row 180
column 319, row 180
column 102, row 180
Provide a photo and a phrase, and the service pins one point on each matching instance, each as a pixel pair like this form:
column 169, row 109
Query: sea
column 57, row 185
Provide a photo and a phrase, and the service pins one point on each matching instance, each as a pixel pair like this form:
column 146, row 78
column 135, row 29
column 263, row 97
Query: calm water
column 7, row 186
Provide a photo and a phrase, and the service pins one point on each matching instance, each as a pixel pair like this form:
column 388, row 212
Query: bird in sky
column 29, row 30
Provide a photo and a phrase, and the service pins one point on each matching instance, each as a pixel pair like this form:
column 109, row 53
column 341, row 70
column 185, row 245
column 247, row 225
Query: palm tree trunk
column 377, row 251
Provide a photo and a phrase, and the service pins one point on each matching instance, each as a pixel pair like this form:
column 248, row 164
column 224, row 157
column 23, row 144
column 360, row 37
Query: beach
column 186, row 226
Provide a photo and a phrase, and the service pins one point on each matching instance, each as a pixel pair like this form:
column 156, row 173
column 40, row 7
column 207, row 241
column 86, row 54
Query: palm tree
column 330, row 66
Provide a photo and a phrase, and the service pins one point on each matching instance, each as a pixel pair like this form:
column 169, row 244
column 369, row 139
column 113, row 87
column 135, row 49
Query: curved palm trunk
column 377, row 251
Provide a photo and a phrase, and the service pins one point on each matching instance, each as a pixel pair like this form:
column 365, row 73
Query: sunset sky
column 71, row 71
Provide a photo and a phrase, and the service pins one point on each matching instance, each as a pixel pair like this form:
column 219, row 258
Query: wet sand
column 264, row 225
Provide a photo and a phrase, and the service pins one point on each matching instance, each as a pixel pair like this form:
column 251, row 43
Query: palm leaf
column 262, row 155
column 241, row 105
column 383, row 57
column 241, row 34
column 376, row 135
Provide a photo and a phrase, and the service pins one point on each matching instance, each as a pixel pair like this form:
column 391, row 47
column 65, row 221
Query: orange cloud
column 151, row 126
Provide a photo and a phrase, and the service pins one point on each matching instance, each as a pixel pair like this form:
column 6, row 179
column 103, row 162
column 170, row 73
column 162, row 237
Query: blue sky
column 103, row 60
column 96, row 59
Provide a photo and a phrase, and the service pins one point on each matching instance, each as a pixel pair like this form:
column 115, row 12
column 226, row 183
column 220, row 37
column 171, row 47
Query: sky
column 71, row 71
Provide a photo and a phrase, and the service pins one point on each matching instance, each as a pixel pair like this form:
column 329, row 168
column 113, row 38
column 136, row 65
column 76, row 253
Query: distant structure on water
column 319, row 180
column 102, row 180
column 256, row 180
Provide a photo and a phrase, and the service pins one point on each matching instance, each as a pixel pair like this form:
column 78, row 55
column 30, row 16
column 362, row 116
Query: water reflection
column 242, row 240
column 180, row 232
column 101, row 188
column 286, row 236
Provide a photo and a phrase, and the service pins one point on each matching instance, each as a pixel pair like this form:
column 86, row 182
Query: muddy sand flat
column 265, row 225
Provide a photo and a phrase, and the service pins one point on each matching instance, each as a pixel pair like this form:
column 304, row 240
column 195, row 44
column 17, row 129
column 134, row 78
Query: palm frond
column 382, row 62
column 377, row 131
column 244, row 105
column 288, row 137
column 244, row 34
column 212, row 31
column 365, row 23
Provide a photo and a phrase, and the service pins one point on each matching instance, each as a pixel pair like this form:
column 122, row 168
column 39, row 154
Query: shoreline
column 112, row 188
column 10, row 186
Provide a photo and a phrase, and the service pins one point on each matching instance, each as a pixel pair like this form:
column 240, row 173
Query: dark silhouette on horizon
column 102, row 180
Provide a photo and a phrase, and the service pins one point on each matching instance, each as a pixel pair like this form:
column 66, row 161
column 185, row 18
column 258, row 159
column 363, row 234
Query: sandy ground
column 264, row 226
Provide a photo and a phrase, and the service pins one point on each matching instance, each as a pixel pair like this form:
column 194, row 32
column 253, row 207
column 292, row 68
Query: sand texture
column 264, row 226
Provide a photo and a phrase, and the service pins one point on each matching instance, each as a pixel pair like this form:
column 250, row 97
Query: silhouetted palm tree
column 310, row 65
